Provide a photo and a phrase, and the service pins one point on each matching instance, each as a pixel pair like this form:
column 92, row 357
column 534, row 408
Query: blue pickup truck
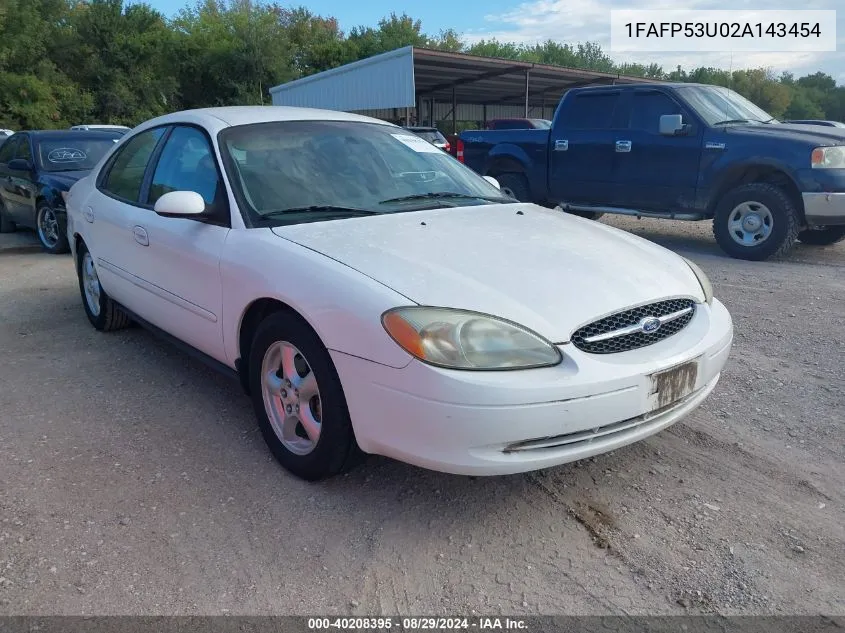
column 677, row 151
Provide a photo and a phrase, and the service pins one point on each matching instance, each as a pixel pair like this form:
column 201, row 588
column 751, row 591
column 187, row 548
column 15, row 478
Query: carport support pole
column 454, row 111
column 527, row 77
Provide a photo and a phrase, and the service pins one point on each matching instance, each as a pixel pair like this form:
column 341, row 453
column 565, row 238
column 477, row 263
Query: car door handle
column 88, row 214
column 141, row 236
column 561, row 145
column 623, row 146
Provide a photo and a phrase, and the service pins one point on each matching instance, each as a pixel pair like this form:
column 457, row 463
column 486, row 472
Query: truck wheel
column 822, row 237
column 756, row 221
column 590, row 215
column 6, row 225
column 515, row 185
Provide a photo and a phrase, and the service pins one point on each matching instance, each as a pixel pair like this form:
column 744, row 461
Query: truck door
column 656, row 172
column 581, row 150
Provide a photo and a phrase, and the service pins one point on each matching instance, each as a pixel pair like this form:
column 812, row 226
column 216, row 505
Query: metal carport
column 432, row 83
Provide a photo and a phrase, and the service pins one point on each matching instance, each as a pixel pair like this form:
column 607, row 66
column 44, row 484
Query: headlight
column 706, row 286
column 459, row 339
column 828, row 158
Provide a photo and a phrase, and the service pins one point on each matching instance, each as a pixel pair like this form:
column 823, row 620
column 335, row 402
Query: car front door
column 581, row 151
column 656, row 172
column 7, row 153
column 20, row 188
column 178, row 260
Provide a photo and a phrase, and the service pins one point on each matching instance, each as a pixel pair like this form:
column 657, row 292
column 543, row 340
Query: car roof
column 48, row 134
column 230, row 116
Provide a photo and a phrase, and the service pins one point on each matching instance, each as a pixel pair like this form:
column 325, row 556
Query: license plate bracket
column 673, row 384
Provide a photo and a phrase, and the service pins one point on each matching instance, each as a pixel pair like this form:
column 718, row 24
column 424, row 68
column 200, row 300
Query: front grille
column 628, row 319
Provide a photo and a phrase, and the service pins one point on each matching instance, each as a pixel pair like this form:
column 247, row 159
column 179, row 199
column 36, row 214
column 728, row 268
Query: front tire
column 822, row 237
column 6, row 225
column 299, row 401
column 102, row 311
column 51, row 230
column 756, row 221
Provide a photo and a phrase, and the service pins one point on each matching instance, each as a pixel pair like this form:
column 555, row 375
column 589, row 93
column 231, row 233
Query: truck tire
column 589, row 215
column 515, row 185
column 6, row 225
column 756, row 221
column 822, row 237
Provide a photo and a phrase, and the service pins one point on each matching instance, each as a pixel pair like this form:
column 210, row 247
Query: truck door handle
column 141, row 236
column 623, row 146
column 561, row 145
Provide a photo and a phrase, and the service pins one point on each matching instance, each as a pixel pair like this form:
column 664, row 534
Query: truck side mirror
column 672, row 124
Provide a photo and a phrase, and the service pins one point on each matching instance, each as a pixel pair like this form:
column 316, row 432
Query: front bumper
column 824, row 209
column 492, row 423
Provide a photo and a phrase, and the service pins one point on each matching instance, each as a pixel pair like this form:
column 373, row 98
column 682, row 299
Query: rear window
column 73, row 153
column 431, row 135
column 591, row 111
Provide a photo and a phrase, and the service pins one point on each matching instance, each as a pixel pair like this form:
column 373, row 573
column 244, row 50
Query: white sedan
column 373, row 295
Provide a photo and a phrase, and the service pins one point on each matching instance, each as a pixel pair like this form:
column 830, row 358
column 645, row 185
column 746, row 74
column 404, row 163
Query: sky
column 574, row 21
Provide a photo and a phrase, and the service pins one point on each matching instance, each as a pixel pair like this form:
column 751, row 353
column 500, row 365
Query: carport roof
column 489, row 80
column 403, row 77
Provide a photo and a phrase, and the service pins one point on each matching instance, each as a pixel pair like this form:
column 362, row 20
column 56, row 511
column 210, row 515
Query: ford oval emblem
column 650, row 324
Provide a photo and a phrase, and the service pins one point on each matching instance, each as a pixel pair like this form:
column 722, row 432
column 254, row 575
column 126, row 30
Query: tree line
column 64, row 62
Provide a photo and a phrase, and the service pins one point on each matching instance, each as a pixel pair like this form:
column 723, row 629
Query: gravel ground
column 134, row 481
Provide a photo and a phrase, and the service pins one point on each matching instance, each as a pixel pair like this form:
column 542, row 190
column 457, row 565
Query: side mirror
column 20, row 164
column 180, row 204
column 493, row 181
column 671, row 124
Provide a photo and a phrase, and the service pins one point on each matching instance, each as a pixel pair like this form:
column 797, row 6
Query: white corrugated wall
column 385, row 80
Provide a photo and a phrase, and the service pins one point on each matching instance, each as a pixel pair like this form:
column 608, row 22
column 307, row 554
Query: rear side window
column 127, row 169
column 591, row 111
column 647, row 108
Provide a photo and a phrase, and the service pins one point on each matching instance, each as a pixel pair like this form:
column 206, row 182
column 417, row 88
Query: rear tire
column 305, row 423
column 102, row 311
column 756, row 221
column 822, row 237
column 515, row 185
column 6, row 225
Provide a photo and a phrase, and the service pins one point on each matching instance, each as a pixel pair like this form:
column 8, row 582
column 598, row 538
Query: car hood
column 549, row 271
column 815, row 134
column 63, row 180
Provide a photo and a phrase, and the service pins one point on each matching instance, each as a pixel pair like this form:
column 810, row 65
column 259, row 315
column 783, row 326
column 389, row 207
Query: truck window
column 647, row 108
column 591, row 111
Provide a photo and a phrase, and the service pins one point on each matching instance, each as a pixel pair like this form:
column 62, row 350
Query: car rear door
column 581, row 151
column 110, row 213
column 656, row 172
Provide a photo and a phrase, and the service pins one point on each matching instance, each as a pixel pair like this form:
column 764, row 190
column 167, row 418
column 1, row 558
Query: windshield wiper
column 318, row 208
column 738, row 121
column 436, row 195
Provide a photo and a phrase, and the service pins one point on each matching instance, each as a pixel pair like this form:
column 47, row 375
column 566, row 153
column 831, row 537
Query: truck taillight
column 460, row 153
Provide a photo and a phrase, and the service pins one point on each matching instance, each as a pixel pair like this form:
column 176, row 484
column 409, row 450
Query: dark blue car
column 35, row 168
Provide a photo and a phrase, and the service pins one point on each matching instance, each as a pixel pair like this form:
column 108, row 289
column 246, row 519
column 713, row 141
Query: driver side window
column 186, row 164
column 7, row 150
column 23, row 151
